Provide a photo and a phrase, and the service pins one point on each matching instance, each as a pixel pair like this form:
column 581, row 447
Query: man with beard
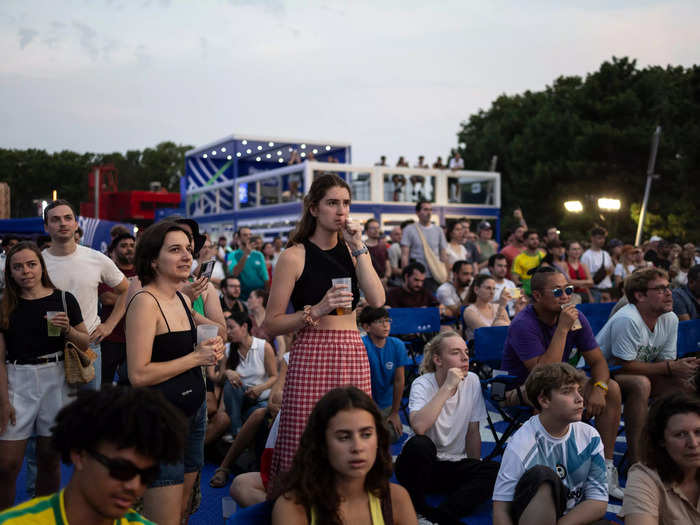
column 231, row 296
column 527, row 260
column 114, row 345
column 412, row 293
column 453, row 294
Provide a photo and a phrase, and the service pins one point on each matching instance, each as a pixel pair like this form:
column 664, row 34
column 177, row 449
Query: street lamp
column 573, row 206
column 608, row 204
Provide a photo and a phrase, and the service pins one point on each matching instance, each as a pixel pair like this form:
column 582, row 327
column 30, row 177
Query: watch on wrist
column 357, row 253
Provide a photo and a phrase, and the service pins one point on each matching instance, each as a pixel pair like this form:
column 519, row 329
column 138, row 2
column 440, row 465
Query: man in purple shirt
column 546, row 332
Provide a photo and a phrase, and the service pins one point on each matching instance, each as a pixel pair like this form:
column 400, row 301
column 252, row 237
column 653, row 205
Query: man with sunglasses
column 115, row 438
column 641, row 339
column 546, row 331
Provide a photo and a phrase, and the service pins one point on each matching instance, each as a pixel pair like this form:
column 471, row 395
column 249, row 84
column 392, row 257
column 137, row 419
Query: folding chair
column 487, row 353
column 260, row 514
column 596, row 313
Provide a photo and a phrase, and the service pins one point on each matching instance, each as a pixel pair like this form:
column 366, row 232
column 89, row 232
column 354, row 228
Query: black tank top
column 320, row 266
column 186, row 390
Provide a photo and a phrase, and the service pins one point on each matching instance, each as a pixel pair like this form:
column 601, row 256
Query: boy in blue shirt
column 387, row 357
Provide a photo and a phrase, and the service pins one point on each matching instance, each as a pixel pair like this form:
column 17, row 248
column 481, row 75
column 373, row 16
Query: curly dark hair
column 138, row 418
column 311, row 481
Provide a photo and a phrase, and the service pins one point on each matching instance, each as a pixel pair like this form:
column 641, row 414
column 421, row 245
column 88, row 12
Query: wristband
column 357, row 253
column 308, row 320
column 602, row 386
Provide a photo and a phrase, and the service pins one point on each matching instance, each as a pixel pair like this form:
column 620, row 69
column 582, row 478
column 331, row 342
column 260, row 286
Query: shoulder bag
column 79, row 364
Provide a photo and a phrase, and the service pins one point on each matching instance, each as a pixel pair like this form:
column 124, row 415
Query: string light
column 244, row 142
column 204, row 156
column 238, row 154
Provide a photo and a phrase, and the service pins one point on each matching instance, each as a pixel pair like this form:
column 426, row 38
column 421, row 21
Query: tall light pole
column 650, row 176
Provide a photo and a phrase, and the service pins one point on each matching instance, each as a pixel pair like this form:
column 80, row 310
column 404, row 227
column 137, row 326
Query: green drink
column 54, row 331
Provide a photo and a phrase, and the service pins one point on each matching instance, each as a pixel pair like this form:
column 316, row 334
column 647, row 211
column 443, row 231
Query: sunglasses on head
column 125, row 470
column 557, row 292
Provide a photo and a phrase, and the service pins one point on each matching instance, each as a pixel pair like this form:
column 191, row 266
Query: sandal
column 219, row 478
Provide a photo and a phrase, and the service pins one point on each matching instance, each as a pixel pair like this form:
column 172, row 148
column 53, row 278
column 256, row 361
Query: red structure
column 136, row 206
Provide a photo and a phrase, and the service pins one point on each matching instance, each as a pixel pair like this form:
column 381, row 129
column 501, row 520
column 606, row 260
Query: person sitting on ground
column 554, row 464
column 453, row 294
column 664, row 487
column 482, row 311
column 340, row 473
column 411, row 294
column 251, row 370
column 527, row 260
column 686, row 299
column 387, row 359
column 546, row 332
column 257, row 302
column 446, row 406
column 641, row 339
column 115, row 439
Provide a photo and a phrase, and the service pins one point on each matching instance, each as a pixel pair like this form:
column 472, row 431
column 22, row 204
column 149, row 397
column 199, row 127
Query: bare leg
column 247, row 489
column 187, row 494
column 11, row 455
column 48, row 478
column 244, row 437
column 163, row 505
column 636, row 391
column 608, row 422
column 541, row 509
column 216, row 426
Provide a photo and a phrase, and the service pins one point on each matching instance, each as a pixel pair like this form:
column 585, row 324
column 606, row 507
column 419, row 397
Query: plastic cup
column 347, row 281
column 54, row 331
column 206, row 332
column 577, row 323
column 514, row 293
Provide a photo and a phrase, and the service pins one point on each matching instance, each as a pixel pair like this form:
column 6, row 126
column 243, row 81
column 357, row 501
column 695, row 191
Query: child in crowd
column 446, row 405
column 387, row 358
column 554, row 464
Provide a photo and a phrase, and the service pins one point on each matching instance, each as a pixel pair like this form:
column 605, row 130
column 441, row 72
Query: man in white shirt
column 498, row 268
column 412, row 245
column 80, row 270
column 456, row 162
column 453, row 294
column 446, row 405
column 554, row 464
column 641, row 338
column 600, row 265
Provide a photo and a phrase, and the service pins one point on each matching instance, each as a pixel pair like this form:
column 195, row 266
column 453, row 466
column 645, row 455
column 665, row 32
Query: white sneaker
column 228, row 438
column 422, row 520
column 614, row 488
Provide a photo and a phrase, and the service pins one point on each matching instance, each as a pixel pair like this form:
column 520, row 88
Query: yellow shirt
column 375, row 511
column 50, row 510
column 523, row 263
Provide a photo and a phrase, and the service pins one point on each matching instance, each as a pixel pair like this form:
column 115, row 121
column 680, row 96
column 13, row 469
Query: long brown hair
column 307, row 225
column 476, row 283
column 311, row 480
column 12, row 290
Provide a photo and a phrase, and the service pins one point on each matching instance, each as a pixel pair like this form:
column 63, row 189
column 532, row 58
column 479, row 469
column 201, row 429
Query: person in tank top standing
column 328, row 351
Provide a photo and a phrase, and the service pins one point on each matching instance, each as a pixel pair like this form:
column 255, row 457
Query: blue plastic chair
column 596, row 313
column 688, row 338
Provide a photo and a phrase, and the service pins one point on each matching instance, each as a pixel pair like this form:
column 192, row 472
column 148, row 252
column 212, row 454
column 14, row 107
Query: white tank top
column 251, row 368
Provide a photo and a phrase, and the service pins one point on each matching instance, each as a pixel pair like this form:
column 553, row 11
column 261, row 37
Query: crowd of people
column 286, row 350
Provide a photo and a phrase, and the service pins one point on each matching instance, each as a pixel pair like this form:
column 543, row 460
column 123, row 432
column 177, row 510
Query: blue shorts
column 193, row 458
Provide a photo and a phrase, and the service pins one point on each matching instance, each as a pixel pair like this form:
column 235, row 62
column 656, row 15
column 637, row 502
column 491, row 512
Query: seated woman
column 251, row 370
column 341, row 470
column 482, row 311
column 664, row 487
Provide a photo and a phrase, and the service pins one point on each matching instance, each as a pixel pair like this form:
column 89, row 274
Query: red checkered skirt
column 319, row 361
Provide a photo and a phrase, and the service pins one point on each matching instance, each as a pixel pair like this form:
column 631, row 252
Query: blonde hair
column 432, row 348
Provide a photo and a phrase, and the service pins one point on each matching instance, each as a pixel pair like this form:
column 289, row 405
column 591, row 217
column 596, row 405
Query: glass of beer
column 577, row 323
column 54, row 331
column 347, row 281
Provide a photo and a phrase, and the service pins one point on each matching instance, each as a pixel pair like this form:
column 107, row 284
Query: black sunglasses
column 125, row 470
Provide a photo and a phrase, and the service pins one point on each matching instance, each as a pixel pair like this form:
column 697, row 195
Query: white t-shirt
column 434, row 237
column 251, row 368
column 449, row 432
column 594, row 260
column 456, row 164
column 507, row 283
column 577, row 458
column 460, row 254
column 623, row 271
column 628, row 337
column 447, row 294
column 80, row 273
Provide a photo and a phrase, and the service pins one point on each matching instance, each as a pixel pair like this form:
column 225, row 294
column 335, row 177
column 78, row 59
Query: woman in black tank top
column 328, row 351
column 162, row 353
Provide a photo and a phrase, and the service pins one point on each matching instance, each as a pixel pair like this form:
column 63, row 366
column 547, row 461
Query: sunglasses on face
column 557, row 292
column 125, row 470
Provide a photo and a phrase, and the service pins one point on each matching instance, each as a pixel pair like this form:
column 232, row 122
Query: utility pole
column 650, row 176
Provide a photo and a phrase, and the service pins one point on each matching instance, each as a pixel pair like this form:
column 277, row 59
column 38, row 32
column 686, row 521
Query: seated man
column 545, row 332
column 446, row 405
column 686, row 298
column 641, row 338
column 387, row 358
column 453, row 294
column 411, row 294
column 115, row 438
column 553, row 465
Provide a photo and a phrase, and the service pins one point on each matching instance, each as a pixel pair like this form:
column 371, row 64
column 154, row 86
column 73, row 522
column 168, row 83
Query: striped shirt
column 50, row 510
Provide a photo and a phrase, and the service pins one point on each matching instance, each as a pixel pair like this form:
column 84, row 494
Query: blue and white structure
column 247, row 180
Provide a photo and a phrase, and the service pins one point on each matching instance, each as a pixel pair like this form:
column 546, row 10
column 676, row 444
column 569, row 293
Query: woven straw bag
column 78, row 364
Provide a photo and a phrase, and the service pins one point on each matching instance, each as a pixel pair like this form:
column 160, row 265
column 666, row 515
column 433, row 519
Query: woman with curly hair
column 341, row 470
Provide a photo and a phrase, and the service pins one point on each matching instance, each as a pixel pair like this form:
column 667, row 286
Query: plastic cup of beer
column 514, row 293
column 206, row 332
column 347, row 281
column 54, row 331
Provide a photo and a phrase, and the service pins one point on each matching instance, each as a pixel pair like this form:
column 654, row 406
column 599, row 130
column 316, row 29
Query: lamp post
column 647, row 189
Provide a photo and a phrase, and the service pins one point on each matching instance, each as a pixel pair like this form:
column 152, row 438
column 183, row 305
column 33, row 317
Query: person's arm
column 501, row 513
column 367, row 276
column 213, row 311
column 271, row 371
column 599, row 373
column 7, row 411
column 287, row 512
column 399, row 383
column 141, row 323
column 405, row 250
column 585, row 512
column 401, row 506
column 387, row 270
column 108, row 298
column 104, row 329
column 421, row 420
column 274, row 403
column 555, row 350
column 473, row 441
column 245, row 252
column 641, row 519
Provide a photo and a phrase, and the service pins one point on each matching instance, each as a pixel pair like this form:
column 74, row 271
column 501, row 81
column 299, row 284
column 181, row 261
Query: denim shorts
column 193, row 457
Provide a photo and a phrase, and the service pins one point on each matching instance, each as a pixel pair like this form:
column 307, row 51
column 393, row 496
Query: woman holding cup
column 163, row 353
column 328, row 351
column 32, row 378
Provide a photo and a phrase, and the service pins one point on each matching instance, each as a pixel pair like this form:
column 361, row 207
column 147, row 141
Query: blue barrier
column 414, row 320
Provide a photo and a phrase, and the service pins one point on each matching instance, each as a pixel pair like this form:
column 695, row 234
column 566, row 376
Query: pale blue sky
column 389, row 77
